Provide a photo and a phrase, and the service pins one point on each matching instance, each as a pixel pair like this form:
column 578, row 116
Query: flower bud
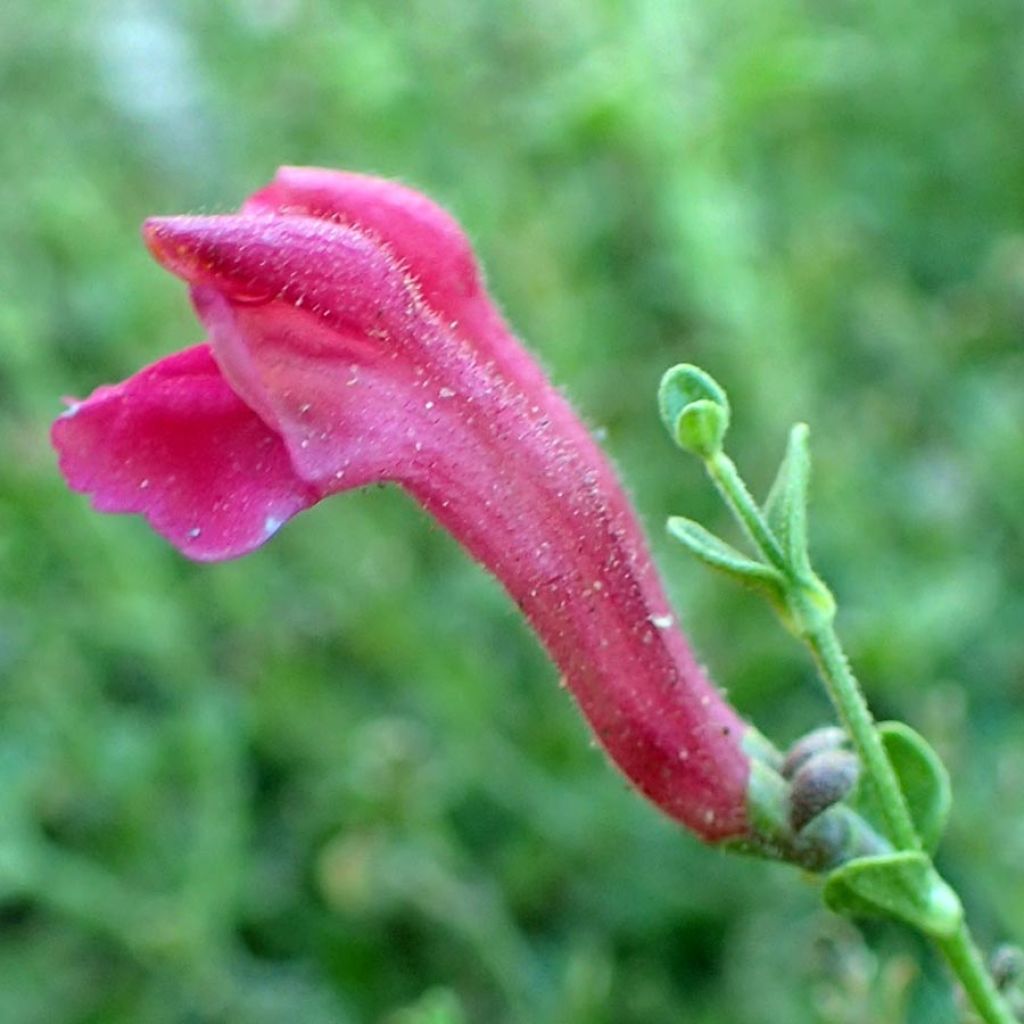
column 823, row 780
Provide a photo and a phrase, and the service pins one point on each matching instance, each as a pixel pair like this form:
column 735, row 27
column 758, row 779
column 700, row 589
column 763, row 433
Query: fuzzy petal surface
column 425, row 240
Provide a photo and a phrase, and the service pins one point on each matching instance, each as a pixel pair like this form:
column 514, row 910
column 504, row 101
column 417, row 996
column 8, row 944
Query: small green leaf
column 923, row 778
column 694, row 409
column 902, row 885
column 724, row 557
column 786, row 505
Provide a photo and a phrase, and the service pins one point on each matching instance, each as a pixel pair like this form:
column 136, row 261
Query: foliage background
column 335, row 781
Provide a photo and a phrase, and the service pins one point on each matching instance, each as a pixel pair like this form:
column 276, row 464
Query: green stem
column 727, row 479
column 965, row 959
column 842, row 686
column 853, row 710
column 960, row 950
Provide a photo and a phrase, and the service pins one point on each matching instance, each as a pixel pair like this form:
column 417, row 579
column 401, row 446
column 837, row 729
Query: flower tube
column 351, row 341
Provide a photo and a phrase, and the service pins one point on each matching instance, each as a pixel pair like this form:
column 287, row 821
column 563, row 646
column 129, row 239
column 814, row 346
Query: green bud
column 701, row 426
column 694, row 409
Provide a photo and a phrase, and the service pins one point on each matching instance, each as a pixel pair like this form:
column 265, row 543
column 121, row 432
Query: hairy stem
column 855, row 715
column 840, row 682
column 959, row 949
column 727, row 479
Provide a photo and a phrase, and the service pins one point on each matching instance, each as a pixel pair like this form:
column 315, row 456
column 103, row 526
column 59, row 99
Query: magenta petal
column 425, row 239
column 175, row 444
column 434, row 254
column 347, row 415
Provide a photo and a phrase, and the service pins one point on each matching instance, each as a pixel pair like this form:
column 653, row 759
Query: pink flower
column 351, row 341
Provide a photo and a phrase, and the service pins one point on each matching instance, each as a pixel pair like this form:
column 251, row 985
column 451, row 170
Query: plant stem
column 965, row 959
column 727, row 479
column 853, row 710
column 842, row 686
column 960, row 950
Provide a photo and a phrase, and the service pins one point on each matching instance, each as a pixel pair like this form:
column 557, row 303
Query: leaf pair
column 783, row 574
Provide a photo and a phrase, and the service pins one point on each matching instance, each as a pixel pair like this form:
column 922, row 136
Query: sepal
column 835, row 836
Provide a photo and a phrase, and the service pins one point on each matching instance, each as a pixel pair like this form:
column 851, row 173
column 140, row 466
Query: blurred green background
column 335, row 781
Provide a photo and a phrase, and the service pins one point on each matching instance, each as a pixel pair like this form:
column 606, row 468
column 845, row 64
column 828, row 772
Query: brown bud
column 821, row 781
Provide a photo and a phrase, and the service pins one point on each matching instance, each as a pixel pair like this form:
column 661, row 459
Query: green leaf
column 923, row 778
column 694, row 409
column 725, row 558
column 902, row 885
column 786, row 505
